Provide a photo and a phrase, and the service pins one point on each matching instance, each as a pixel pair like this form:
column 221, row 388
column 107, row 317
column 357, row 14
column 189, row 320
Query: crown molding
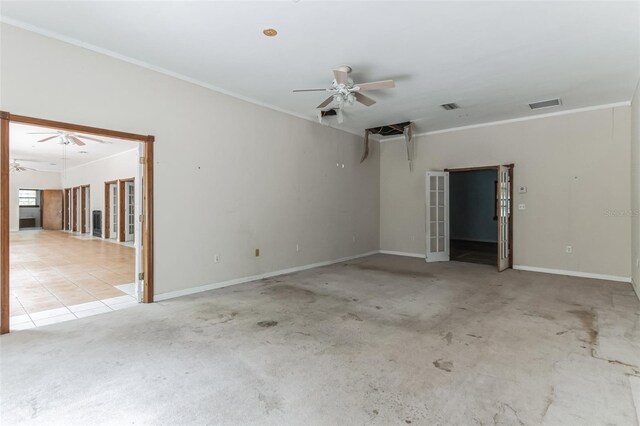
column 514, row 120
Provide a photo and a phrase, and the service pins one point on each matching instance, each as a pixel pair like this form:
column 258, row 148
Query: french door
column 503, row 204
column 114, row 212
column 130, row 211
column 437, row 216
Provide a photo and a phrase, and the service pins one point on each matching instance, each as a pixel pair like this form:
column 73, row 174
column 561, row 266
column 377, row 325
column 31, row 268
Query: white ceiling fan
column 14, row 166
column 346, row 92
column 67, row 138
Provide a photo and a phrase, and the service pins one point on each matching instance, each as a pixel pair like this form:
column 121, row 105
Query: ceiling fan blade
column 312, row 90
column 43, row 133
column 76, row 141
column 375, row 85
column 326, row 102
column 49, row 138
column 364, row 100
column 341, row 76
column 91, row 139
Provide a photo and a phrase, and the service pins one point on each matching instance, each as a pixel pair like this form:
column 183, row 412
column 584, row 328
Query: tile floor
column 55, row 275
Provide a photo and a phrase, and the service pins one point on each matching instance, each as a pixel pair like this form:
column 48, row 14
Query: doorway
column 71, row 206
column 457, row 226
column 474, row 216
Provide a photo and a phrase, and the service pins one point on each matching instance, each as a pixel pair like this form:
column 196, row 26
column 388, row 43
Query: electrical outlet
column 522, row 190
column 522, row 206
column 569, row 249
column 257, row 252
column 216, row 258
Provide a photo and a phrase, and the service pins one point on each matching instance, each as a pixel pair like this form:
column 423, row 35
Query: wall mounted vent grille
column 545, row 104
column 450, row 106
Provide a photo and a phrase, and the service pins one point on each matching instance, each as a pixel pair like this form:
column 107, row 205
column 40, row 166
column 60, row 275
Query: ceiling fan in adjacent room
column 346, row 92
column 14, row 166
column 67, row 138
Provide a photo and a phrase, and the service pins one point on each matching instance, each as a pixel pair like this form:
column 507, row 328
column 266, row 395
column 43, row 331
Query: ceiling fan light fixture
column 270, row 32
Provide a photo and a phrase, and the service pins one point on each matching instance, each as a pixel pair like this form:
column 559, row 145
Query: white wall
column 96, row 173
column 635, row 189
column 28, row 180
column 230, row 176
column 577, row 170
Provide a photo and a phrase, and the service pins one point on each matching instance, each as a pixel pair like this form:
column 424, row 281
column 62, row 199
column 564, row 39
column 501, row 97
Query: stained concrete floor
column 379, row 340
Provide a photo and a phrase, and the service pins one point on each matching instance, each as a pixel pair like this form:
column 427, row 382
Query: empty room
column 316, row 212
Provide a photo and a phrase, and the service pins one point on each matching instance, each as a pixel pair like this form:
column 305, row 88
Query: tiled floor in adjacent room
column 57, row 276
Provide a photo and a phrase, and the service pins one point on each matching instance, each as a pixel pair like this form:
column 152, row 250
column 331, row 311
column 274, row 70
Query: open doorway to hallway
column 60, row 268
column 473, row 216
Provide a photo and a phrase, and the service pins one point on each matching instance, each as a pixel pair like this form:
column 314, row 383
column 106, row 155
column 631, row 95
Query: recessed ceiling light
column 270, row 32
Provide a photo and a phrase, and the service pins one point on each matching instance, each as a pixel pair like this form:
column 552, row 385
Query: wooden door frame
column 66, row 225
column 497, row 169
column 83, row 209
column 74, row 207
column 107, row 208
column 147, row 242
column 121, row 207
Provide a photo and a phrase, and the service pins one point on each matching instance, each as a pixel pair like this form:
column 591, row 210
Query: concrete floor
column 380, row 340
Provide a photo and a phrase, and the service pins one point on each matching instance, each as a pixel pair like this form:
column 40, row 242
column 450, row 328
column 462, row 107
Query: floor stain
column 393, row 270
column 540, row 315
column 444, row 365
column 476, row 336
column 267, row 324
column 448, row 337
column 589, row 323
column 378, row 307
column 350, row 316
column 291, row 292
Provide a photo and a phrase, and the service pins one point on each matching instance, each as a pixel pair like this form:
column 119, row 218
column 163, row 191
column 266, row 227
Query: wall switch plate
column 522, row 189
column 522, row 206
column 569, row 249
column 297, row 247
column 257, row 252
column 354, row 238
column 216, row 258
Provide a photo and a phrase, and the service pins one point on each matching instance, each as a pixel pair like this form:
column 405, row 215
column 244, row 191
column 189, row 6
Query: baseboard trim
column 207, row 287
column 573, row 273
column 402, row 253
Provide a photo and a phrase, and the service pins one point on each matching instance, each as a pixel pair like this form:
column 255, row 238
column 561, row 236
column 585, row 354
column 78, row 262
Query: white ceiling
column 51, row 156
column 492, row 58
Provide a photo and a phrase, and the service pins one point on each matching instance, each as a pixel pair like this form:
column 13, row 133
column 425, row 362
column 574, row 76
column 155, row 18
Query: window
column 28, row 198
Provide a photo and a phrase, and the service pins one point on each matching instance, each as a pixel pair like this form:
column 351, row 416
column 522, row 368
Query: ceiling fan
column 346, row 92
column 67, row 138
column 14, row 166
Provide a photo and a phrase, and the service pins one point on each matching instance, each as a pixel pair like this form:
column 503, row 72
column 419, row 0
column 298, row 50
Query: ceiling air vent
column 450, row 106
column 545, row 104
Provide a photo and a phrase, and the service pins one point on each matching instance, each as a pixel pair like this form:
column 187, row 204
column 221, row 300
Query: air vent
column 329, row 113
column 449, row 107
column 545, row 104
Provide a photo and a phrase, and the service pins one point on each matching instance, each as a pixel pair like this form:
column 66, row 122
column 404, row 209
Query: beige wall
column 28, row 180
column 575, row 166
column 635, row 189
column 231, row 176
